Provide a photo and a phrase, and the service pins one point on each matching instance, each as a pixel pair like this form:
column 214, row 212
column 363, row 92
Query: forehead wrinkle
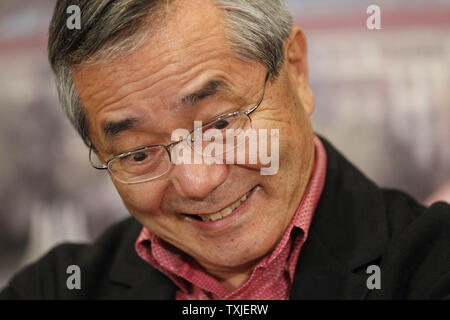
column 148, row 81
column 124, row 74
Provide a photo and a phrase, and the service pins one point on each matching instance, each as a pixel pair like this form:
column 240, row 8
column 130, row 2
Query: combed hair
column 256, row 30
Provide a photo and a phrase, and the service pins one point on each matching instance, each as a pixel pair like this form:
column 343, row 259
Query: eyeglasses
column 152, row 162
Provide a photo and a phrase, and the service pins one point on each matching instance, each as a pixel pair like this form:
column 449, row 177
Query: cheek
column 141, row 198
column 294, row 146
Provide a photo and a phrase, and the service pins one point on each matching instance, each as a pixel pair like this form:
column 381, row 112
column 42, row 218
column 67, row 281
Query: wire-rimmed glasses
column 152, row 162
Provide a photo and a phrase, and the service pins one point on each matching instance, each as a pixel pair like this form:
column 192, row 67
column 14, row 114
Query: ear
column 297, row 67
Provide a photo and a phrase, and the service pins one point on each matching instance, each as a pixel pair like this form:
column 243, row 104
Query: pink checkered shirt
column 271, row 279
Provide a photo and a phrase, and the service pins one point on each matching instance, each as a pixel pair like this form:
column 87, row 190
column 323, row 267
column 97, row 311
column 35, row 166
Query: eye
column 139, row 157
column 221, row 124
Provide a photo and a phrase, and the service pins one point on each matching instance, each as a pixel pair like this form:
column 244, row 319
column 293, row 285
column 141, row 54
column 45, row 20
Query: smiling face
column 144, row 92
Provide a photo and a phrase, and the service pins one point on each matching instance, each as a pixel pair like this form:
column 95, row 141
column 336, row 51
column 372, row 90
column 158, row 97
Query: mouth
column 222, row 213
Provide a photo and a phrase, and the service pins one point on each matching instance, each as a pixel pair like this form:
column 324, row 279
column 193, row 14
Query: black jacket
column 356, row 225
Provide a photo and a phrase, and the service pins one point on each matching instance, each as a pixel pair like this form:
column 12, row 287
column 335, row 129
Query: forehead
column 190, row 40
column 192, row 31
column 187, row 50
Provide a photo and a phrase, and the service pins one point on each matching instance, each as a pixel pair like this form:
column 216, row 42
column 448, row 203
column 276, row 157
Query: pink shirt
column 271, row 279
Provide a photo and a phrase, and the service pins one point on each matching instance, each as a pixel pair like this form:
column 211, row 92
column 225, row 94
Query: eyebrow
column 211, row 88
column 113, row 128
column 215, row 86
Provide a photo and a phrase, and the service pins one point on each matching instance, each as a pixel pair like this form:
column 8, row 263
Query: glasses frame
column 168, row 147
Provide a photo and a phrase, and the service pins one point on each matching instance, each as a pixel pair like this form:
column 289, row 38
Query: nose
column 197, row 181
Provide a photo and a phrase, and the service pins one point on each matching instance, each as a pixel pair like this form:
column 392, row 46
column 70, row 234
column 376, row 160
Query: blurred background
column 382, row 98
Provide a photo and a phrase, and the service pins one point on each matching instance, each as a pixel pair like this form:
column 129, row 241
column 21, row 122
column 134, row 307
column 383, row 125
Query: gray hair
column 256, row 30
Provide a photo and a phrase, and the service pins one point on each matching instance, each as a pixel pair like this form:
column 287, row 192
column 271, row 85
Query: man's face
column 178, row 59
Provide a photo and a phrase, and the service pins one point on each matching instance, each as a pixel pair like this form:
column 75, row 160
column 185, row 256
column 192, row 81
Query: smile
column 224, row 212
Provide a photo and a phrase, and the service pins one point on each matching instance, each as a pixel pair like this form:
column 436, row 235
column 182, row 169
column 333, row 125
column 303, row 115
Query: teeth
column 225, row 212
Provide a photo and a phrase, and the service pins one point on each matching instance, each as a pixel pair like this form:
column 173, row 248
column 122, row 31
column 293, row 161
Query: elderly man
column 313, row 227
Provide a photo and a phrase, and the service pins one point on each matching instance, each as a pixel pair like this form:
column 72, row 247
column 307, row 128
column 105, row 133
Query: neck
column 232, row 279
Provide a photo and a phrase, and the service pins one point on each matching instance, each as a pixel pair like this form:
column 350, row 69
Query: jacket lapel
column 133, row 278
column 321, row 276
column 348, row 233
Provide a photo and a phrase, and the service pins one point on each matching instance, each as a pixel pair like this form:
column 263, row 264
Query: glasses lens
column 142, row 165
column 220, row 136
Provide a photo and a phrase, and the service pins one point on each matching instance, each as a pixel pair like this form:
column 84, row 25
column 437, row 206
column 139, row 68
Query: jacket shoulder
column 401, row 210
column 417, row 256
column 47, row 277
